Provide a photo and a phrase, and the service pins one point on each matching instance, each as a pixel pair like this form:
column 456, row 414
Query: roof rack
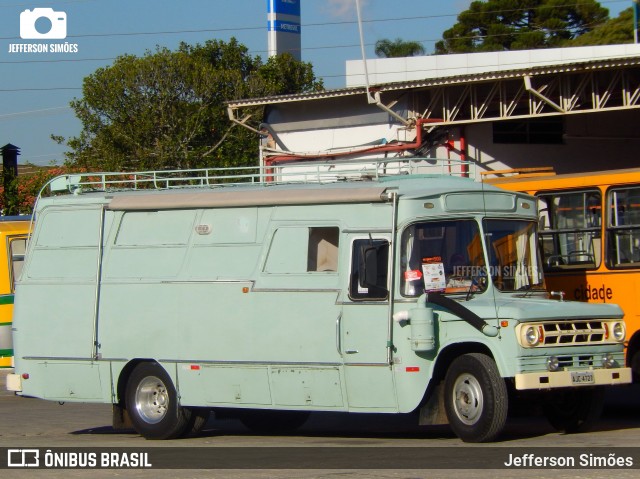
column 288, row 172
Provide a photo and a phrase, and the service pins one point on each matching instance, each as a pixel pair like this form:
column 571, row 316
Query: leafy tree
column 614, row 31
column 497, row 25
column 398, row 48
column 165, row 109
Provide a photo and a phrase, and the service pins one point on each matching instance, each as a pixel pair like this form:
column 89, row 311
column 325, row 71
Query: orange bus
column 590, row 239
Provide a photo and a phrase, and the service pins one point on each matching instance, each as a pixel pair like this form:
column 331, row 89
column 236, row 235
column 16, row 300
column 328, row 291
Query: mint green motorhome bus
column 380, row 287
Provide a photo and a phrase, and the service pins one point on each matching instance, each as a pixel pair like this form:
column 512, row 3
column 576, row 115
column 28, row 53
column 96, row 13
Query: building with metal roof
column 575, row 109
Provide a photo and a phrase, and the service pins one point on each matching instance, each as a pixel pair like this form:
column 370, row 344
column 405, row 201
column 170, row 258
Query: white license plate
column 583, row 377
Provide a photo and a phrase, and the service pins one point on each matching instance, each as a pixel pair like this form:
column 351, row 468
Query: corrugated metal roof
column 571, row 67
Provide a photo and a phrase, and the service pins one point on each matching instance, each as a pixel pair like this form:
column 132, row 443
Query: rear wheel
column 476, row 399
column 152, row 404
column 575, row 410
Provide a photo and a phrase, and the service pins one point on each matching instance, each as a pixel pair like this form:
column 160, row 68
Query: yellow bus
column 13, row 239
column 590, row 239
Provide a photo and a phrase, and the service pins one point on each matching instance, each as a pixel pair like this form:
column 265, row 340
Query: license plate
column 583, row 377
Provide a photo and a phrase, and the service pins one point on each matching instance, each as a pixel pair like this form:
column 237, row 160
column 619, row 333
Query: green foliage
column 498, row 25
column 614, row 31
column 283, row 75
column 398, row 48
column 166, row 109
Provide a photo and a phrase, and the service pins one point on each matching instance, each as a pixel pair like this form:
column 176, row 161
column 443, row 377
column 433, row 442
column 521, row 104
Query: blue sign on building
column 283, row 27
column 284, row 7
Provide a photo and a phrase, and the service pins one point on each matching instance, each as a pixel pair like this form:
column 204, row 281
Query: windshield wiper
column 479, row 282
column 529, row 289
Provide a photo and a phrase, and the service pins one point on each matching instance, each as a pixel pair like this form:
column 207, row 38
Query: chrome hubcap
column 467, row 399
column 152, row 400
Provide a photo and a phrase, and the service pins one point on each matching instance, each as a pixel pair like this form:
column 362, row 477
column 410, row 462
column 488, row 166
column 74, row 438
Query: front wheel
column 152, row 404
column 476, row 399
column 575, row 410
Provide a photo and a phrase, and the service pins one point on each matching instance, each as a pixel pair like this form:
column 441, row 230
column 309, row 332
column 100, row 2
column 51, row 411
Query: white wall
column 388, row 70
column 592, row 142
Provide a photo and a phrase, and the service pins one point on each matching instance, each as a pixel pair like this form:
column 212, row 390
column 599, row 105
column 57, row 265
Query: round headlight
column 618, row 331
column 553, row 364
column 531, row 336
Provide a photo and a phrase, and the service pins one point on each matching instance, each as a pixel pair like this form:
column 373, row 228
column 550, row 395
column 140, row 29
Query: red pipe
column 463, row 153
column 406, row 146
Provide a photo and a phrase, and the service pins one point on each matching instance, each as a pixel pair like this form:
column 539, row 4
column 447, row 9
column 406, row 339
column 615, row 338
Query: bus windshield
column 513, row 255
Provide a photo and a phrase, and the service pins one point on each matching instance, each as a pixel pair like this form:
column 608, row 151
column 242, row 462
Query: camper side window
column 369, row 266
column 296, row 250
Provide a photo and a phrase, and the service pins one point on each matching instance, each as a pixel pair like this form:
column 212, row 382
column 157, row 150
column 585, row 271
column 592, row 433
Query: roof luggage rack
column 289, row 172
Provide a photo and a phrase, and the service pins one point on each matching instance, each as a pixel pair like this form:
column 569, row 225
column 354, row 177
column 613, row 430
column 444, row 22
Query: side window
column 323, row 249
column 369, row 269
column 17, row 248
column 297, row 249
column 570, row 233
column 623, row 228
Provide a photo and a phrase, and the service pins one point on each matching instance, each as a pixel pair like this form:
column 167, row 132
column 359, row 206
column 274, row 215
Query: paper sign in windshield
column 433, row 274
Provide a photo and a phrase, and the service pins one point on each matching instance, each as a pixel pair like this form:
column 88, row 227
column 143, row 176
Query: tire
column 476, row 398
column 152, row 404
column 273, row 422
column 575, row 410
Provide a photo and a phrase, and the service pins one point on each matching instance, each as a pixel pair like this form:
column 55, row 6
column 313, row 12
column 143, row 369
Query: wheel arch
column 123, row 378
column 454, row 350
column 444, row 360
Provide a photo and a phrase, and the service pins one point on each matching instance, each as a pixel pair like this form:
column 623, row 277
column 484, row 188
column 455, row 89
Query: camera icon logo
column 43, row 23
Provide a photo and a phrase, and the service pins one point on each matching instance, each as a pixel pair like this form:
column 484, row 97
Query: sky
column 36, row 87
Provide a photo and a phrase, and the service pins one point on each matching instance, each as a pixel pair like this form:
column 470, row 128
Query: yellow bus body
column 604, row 280
column 13, row 236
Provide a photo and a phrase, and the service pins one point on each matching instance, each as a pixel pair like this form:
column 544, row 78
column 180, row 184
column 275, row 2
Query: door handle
column 338, row 340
